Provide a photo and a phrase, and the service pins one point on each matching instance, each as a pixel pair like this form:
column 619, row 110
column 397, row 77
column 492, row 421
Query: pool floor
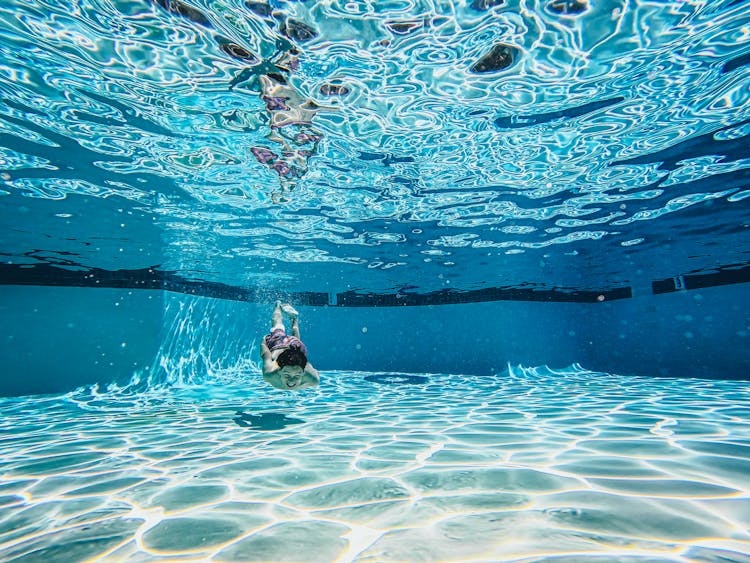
column 528, row 465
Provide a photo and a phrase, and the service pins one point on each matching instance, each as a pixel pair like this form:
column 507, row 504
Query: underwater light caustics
column 476, row 144
column 585, row 466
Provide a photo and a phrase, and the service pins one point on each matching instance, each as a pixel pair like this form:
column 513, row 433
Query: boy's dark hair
column 292, row 357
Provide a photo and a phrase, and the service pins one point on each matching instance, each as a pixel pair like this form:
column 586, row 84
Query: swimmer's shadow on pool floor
column 265, row 420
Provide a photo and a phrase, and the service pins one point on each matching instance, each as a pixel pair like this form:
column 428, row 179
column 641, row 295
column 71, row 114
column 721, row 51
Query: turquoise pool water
column 528, row 465
column 477, row 187
column 598, row 144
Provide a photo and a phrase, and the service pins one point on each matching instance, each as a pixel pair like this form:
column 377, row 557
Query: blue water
column 517, row 234
column 607, row 144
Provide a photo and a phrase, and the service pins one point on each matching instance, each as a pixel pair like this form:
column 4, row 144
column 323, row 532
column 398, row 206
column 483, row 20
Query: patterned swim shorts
column 280, row 339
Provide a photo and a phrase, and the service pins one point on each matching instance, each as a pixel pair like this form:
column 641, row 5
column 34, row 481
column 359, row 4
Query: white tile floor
column 526, row 466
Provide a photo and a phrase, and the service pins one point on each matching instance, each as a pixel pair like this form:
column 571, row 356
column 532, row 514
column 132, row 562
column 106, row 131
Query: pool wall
column 700, row 333
column 58, row 338
column 696, row 333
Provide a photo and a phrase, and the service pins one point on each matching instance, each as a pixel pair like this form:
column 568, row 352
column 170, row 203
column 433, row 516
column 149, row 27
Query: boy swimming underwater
column 285, row 364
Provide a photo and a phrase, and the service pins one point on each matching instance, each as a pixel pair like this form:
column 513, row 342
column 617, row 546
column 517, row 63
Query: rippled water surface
column 377, row 145
column 526, row 466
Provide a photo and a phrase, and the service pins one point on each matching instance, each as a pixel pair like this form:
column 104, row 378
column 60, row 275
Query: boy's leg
column 295, row 327
column 289, row 310
column 292, row 313
column 277, row 319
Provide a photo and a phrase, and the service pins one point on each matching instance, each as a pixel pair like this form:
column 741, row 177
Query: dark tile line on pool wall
column 153, row 278
column 736, row 273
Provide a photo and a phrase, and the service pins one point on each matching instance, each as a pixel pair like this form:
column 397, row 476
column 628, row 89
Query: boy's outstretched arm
column 268, row 362
column 311, row 377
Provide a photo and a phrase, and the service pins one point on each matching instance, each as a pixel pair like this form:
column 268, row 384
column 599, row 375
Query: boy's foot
column 289, row 310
